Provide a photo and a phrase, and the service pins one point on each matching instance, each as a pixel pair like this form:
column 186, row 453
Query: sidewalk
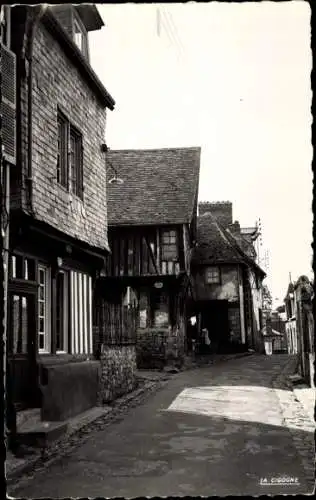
column 306, row 396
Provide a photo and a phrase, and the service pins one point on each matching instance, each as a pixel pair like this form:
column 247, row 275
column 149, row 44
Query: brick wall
column 57, row 82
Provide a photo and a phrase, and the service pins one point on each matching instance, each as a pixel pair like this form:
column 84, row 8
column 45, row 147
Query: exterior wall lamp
column 116, row 179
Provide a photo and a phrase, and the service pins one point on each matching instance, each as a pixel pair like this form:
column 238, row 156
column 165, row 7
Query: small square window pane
column 41, row 325
column 19, row 267
column 41, row 309
column 26, row 269
column 30, row 269
column 13, row 264
column 42, row 276
column 41, row 341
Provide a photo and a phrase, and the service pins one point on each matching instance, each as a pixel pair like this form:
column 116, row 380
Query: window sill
column 60, row 358
column 69, row 195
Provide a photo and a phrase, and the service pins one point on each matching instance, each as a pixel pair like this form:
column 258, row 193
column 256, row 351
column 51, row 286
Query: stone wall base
column 158, row 347
column 118, row 372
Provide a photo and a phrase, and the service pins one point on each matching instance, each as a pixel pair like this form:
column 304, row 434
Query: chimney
column 221, row 210
column 235, row 228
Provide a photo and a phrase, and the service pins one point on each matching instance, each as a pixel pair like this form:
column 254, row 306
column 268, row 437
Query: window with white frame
column 22, row 268
column 43, row 309
column 212, row 275
column 81, row 313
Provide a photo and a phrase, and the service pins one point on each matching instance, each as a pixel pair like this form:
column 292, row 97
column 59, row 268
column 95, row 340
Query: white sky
column 240, row 89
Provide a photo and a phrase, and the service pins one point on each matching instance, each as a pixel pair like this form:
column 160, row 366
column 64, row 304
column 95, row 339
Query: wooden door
column 22, row 370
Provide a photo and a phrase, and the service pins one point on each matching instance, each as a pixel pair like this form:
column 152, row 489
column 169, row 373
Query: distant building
column 227, row 281
column 274, row 335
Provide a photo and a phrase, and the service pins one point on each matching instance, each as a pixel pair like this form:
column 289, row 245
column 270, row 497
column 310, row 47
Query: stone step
column 34, row 432
column 27, row 416
column 39, row 433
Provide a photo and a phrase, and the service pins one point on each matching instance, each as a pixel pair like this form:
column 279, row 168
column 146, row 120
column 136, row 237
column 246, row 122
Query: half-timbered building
column 152, row 213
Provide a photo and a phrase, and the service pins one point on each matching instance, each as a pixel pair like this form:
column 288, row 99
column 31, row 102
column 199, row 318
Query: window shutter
column 8, row 103
column 67, row 155
column 80, row 171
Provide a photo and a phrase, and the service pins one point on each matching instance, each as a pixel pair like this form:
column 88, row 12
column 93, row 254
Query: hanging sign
column 158, row 284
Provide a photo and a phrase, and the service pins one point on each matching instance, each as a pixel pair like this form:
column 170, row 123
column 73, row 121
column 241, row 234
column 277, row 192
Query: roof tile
column 160, row 186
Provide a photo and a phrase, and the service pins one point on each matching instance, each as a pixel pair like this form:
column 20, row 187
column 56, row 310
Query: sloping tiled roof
column 160, row 186
column 245, row 245
column 213, row 243
column 216, row 245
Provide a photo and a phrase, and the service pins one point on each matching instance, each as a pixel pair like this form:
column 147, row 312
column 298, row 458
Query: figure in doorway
column 192, row 334
column 206, row 338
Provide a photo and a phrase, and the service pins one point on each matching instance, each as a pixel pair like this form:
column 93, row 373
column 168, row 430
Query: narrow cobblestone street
column 230, row 428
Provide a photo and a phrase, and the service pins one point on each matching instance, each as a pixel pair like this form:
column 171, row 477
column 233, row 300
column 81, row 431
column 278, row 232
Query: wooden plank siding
column 139, row 252
column 113, row 324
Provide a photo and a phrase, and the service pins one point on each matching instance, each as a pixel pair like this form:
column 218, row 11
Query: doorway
column 214, row 316
column 22, row 383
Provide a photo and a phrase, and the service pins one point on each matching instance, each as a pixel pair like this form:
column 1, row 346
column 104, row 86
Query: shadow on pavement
column 176, row 453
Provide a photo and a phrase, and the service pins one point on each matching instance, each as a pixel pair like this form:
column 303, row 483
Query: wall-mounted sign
column 158, row 284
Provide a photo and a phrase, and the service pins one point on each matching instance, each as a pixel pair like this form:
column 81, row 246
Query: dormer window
column 77, row 21
column 80, row 36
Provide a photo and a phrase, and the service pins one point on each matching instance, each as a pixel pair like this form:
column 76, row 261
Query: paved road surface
column 217, row 430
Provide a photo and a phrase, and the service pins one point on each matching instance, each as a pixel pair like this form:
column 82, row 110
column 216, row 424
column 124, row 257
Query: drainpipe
column 29, row 178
